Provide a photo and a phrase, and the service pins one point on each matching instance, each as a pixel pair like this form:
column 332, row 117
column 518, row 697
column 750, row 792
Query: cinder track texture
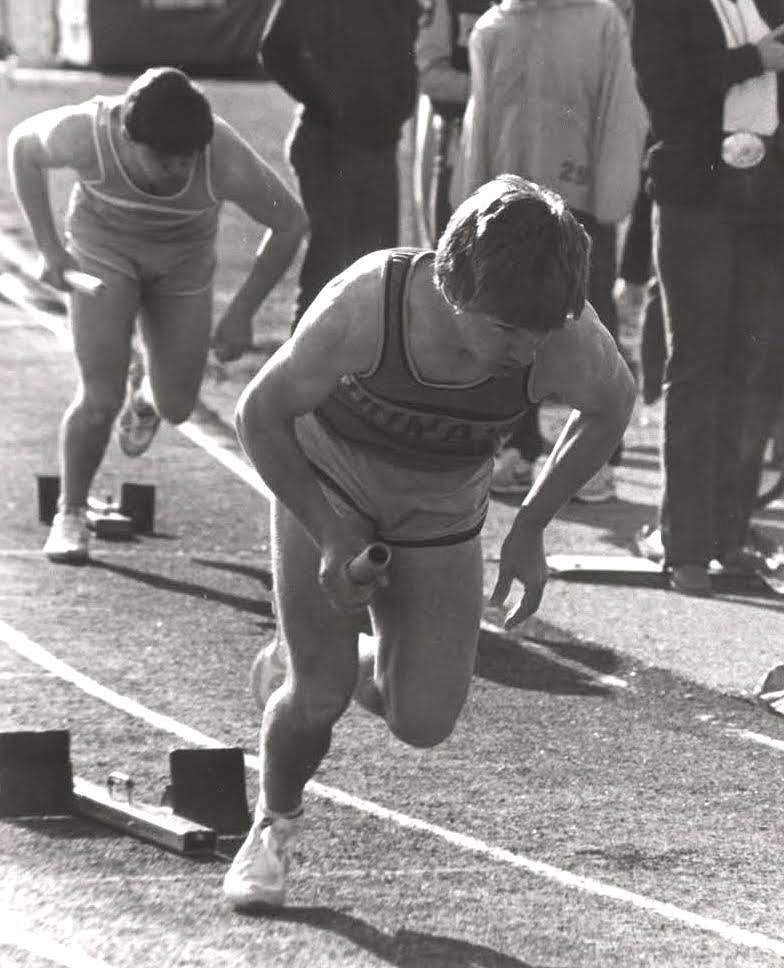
column 551, row 830
column 649, row 788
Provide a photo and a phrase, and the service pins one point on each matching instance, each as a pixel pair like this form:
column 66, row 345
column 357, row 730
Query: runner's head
column 513, row 250
column 164, row 110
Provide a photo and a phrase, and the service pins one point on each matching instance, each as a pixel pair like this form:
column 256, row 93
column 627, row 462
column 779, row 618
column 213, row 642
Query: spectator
column 708, row 70
column 638, row 301
column 350, row 64
column 554, row 98
column 442, row 60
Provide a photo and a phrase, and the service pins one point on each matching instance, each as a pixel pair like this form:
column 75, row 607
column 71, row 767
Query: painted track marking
column 26, row 647
column 11, row 935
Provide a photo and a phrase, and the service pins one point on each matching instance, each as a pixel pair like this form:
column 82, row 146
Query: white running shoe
column 139, row 422
column 600, row 488
column 268, row 671
column 257, row 876
column 69, row 539
column 512, row 473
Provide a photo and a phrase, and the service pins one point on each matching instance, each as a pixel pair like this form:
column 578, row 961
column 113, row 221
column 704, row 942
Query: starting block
column 206, row 799
column 133, row 514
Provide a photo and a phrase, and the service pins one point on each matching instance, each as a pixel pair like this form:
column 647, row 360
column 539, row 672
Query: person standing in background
column 711, row 73
column 442, row 60
column 554, row 98
column 350, row 65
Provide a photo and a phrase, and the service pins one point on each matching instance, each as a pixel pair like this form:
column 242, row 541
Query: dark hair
column 515, row 251
column 166, row 111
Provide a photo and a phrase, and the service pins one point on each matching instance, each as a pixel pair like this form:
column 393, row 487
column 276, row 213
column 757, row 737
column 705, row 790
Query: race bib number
column 575, row 174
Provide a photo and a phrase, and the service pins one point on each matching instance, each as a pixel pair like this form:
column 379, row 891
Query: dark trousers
column 653, row 343
column 350, row 193
column 723, row 299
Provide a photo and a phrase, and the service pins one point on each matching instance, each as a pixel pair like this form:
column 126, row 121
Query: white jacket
column 554, row 98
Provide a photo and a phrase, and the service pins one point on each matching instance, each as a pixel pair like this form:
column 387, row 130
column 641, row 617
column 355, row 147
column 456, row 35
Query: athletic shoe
column 257, row 876
column 69, row 539
column 691, row 580
column 268, row 672
column 139, row 422
column 512, row 473
column 745, row 560
column 600, row 488
column 649, row 544
column 769, row 692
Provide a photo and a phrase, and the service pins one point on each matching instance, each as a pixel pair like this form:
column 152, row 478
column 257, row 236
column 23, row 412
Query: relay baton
column 84, row 282
column 369, row 563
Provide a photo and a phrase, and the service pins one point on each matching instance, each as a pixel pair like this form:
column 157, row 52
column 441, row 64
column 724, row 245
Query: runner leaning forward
column 378, row 420
column 153, row 167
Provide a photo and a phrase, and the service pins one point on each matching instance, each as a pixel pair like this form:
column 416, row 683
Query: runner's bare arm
column 240, row 176
column 60, row 138
column 581, row 365
column 339, row 334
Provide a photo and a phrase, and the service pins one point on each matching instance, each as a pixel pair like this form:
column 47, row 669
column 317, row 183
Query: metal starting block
column 206, row 798
column 105, row 520
column 119, row 521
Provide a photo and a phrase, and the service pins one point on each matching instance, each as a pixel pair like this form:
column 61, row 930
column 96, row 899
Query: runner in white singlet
column 153, row 168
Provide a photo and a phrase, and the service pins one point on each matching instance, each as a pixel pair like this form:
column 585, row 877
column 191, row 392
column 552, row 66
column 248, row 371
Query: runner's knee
column 421, row 727
column 99, row 404
column 320, row 701
column 175, row 407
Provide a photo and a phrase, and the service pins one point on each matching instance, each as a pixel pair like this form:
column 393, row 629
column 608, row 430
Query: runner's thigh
column 176, row 332
column 102, row 327
column 428, row 625
column 322, row 640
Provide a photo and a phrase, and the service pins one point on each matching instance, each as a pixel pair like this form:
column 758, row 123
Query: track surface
column 611, row 797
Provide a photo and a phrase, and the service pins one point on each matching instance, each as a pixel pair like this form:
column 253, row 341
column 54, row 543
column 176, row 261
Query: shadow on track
column 503, row 660
column 404, row 948
column 242, row 603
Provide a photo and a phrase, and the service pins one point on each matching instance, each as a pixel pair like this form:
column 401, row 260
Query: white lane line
column 26, row 647
column 231, row 461
column 60, row 954
column 759, row 738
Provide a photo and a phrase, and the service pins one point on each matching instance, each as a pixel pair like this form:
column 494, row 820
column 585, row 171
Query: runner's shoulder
column 351, row 309
column 581, row 351
column 64, row 133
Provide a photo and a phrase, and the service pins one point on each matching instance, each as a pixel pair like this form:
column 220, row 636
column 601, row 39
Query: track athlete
column 378, row 420
column 153, row 167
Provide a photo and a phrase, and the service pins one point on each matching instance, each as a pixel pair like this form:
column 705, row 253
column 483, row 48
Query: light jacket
column 554, row 98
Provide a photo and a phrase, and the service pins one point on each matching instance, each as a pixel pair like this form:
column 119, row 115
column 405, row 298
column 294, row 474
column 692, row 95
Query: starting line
column 28, row 649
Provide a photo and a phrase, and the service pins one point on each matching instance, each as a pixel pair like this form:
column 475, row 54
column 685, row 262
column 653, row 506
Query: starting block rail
column 205, row 802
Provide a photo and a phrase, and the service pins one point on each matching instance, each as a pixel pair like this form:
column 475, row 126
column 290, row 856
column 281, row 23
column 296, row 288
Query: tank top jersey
column 413, row 422
column 113, row 204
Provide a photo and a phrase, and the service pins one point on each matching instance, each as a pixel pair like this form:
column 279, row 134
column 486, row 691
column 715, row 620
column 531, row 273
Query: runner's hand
column 522, row 558
column 771, row 50
column 345, row 593
column 51, row 266
column 233, row 336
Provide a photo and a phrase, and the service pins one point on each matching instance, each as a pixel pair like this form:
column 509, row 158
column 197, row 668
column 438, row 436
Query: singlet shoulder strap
column 396, row 272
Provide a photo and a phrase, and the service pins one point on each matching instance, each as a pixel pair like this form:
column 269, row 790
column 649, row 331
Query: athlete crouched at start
column 153, row 167
column 378, row 421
